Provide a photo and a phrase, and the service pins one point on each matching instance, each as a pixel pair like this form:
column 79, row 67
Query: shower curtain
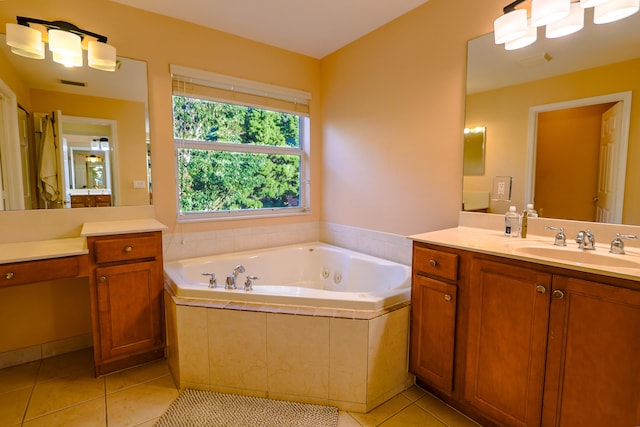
column 48, row 168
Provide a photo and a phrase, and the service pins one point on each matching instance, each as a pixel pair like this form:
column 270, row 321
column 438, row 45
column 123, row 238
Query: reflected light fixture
column 561, row 18
column 570, row 24
column 66, row 42
column 528, row 38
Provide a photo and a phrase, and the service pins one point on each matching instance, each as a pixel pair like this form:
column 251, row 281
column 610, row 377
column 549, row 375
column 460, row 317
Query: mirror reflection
column 510, row 91
column 72, row 137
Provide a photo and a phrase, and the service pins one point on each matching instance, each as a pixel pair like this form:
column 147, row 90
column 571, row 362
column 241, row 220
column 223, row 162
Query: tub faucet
column 233, row 277
column 586, row 240
column 212, row 279
column 248, row 284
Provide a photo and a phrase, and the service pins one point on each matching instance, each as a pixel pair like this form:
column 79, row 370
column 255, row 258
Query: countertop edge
column 42, row 249
column 492, row 242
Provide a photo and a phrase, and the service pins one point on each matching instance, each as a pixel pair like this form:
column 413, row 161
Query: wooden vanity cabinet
column 535, row 345
column 433, row 317
column 507, row 339
column 92, row 201
column 125, row 276
column 593, row 357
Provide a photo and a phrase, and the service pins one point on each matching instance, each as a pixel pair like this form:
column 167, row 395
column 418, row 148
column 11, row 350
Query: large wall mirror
column 72, row 137
column 548, row 107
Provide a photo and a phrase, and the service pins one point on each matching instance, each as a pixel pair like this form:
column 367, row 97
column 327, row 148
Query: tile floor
column 62, row 391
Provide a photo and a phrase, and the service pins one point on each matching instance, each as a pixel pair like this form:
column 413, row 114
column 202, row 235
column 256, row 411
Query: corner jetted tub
column 312, row 274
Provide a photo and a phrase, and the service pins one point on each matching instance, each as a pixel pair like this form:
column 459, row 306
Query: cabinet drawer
column 21, row 273
column 125, row 249
column 436, row 263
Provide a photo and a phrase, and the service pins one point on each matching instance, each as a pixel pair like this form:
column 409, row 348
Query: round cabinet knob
column 128, row 249
column 558, row 294
column 9, row 275
column 102, row 279
column 541, row 289
column 447, row 297
column 433, row 263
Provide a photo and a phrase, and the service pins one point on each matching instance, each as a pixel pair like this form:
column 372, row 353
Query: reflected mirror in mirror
column 507, row 90
column 85, row 112
column 473, row 160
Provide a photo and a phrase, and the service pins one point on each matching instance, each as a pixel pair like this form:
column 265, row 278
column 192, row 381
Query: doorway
column 570, row 173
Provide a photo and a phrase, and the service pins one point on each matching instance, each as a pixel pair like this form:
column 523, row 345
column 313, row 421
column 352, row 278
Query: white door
column 610, row 137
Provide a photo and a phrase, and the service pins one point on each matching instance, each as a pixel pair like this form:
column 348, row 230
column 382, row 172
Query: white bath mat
column 206, row 408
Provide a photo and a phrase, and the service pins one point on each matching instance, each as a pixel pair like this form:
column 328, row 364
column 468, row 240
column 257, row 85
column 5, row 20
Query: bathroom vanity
column 123, row 262
column 513, row 339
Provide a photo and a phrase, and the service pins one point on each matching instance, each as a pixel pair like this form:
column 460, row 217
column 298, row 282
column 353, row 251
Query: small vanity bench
column 123, row 262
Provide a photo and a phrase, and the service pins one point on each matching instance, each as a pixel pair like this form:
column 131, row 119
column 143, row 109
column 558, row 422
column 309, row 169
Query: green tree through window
column 234, row 157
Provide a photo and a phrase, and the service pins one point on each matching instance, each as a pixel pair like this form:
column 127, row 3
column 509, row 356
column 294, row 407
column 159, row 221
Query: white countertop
column 42, row 249
column 121, row 227
column 494, row 242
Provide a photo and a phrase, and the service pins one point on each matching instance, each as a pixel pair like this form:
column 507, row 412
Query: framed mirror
column 473, row 161
column 75, row 113
column 509, row 91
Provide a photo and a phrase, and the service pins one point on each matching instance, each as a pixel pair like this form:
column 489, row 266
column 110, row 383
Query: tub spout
column 232, row 278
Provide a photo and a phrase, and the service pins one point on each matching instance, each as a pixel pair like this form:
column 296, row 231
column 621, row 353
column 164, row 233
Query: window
column 241, row 147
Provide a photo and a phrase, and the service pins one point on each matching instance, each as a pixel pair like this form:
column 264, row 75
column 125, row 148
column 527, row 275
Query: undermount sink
column 579, row 256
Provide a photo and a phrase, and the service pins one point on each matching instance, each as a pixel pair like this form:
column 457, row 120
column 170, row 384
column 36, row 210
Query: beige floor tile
column 12, row 406
column 141, row 403
column 136, row 375
column 62, row 392
column 88, row 414
column 413, row 416
column 444, row 412
column 383, row 412
column 414, row 393
column 346, row 420
column 17, row 377
column 80, row 361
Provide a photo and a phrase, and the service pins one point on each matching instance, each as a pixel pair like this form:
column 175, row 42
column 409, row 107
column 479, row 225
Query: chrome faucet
column 233, row 277
column 586, row 240
column 617, row 245
column 212, row 279
column 248, row 284
column 561, row 238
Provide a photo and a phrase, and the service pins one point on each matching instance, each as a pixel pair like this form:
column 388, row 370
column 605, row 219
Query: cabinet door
column 433, row 316
column 506, row 348
column 130, row 308
column 593, row 368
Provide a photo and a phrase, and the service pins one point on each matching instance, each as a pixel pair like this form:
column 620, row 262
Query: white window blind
column 219, row 87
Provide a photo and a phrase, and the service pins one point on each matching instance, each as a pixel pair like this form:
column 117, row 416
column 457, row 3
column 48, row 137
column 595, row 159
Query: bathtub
column 313, row 274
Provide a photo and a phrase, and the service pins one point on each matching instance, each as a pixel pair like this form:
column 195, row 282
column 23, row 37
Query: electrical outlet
column 139, row 184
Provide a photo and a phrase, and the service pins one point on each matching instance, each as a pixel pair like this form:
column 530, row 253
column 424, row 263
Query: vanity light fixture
column 66, row 43
column 561, row 17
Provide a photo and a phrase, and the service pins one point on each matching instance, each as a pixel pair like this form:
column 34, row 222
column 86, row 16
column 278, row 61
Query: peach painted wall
column 505, row 114
column 393, row 114
column 130, row 118
column 160, row 41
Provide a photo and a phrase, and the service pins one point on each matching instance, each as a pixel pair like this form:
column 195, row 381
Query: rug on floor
column 207, row 408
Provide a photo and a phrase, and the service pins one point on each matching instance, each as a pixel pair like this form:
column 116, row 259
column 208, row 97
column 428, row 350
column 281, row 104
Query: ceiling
column 595, row 45
column 314, row 28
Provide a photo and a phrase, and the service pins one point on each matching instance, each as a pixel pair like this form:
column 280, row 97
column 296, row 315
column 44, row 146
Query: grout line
column 33, row 387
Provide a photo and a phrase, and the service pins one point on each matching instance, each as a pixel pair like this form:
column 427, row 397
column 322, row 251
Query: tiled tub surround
column 288, row 344
column 180, row 245
column 354, row 360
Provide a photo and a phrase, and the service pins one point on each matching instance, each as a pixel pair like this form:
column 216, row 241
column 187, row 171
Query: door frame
column 620, row 155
